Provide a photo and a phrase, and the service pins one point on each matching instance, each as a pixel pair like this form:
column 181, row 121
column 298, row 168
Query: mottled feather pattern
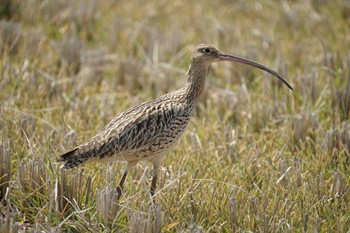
column 142, row 132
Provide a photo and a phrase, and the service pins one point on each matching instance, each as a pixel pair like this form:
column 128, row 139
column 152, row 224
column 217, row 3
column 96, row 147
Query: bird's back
column 142, row 132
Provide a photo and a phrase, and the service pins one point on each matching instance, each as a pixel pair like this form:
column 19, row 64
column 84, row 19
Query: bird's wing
column 131, row 131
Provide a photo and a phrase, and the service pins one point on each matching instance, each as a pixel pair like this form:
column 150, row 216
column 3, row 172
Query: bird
column 147, row 131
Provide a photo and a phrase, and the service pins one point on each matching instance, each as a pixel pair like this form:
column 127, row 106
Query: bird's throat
column 195, row 85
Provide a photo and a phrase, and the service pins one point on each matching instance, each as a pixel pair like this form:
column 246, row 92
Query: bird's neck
column 196, row 76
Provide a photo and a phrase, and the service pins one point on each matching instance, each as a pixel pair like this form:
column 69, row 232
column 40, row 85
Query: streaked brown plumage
column 147, row 131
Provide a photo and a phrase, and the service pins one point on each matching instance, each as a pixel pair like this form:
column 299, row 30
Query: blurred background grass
column 256, row 156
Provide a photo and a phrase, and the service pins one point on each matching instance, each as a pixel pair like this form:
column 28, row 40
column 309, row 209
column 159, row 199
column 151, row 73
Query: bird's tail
column 73, row 158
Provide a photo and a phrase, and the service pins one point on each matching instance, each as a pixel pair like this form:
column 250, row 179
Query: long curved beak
column 227, row 57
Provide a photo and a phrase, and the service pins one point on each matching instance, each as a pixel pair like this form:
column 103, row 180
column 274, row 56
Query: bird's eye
column 207, row 51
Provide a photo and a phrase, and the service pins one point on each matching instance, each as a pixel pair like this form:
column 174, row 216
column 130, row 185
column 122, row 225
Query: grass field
column 256, row 157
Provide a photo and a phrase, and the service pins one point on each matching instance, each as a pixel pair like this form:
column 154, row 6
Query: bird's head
column 207, row 54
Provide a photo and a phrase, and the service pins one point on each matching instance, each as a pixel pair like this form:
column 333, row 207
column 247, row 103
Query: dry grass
column 256, row 158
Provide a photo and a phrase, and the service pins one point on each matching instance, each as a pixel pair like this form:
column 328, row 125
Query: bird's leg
column 156, row 166
column 120, row 185
column 122, row 180
column 153, row 185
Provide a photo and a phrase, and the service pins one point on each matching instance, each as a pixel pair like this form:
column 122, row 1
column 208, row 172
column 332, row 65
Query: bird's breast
column 165, row 140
